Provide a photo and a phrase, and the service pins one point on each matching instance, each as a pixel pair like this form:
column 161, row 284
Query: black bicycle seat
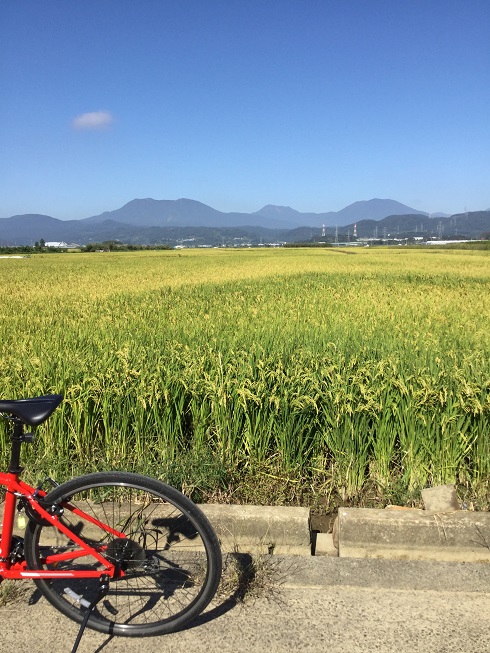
column 33, row 411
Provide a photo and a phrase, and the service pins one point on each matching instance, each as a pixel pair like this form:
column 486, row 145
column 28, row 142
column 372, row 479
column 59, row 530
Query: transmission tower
column 439, row 229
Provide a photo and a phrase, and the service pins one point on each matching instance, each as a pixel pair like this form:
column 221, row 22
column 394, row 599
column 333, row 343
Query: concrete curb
column 456, row 536
column 406, row 534
column 453, row 536
column 281, row 530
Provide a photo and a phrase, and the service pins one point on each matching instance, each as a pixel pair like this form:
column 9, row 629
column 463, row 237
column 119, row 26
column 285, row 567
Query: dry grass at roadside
column 15, row 591
column 249, row 577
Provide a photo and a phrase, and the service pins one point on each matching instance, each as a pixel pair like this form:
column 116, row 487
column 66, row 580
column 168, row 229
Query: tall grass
column 364, row 373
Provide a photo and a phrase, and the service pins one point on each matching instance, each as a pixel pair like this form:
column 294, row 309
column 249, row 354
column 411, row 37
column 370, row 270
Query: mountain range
column 190, row 213
column 149, row 221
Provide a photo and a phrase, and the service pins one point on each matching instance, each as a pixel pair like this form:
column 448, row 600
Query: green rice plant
column 346, row 456
column 363, row 371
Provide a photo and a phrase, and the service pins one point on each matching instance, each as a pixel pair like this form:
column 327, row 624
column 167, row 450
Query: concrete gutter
column 403, row 534
column 456, row 536
column 397, row 534
column 280, row 530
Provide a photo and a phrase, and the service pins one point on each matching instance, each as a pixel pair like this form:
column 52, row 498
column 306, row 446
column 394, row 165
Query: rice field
column 269, row 376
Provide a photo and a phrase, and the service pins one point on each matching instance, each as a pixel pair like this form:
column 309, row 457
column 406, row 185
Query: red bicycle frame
column 16, row 488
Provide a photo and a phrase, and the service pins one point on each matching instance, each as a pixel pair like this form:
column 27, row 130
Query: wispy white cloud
column 94, row 120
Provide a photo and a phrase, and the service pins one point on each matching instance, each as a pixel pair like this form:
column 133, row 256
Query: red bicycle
column 118, row 552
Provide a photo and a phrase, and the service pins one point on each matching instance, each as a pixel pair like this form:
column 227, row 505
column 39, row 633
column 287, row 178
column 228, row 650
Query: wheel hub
column 126, row 553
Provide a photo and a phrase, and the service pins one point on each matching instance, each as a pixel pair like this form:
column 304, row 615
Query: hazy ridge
column 149, row 221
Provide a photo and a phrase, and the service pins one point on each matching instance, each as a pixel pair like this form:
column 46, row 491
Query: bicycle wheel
column 170, row 556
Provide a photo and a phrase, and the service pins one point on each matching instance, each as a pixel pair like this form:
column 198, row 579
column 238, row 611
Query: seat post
column 16, row 438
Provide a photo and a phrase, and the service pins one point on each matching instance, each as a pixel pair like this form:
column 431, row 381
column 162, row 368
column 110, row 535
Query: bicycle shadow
column 239, row 578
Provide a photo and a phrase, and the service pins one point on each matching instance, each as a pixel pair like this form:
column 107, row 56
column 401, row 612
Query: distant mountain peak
column 276, row 208
column 375, row 209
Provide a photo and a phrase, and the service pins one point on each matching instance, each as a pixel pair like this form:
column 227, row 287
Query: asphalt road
column 302, row 604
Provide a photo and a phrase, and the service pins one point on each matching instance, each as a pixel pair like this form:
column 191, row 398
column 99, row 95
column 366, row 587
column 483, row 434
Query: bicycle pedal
column 77, row 597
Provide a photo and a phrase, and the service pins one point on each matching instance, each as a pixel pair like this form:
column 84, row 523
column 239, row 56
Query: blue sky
column 313, row 104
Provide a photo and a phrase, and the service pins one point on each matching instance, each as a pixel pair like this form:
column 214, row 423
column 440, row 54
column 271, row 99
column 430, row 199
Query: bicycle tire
column 172, row 567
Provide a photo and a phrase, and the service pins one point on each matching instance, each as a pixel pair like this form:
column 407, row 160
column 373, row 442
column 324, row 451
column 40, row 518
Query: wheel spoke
column 168, row 555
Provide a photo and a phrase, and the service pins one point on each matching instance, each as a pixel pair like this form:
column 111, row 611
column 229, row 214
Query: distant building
column 60, row 244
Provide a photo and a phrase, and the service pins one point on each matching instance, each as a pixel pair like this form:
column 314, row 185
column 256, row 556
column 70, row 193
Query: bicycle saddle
column 31, row 411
